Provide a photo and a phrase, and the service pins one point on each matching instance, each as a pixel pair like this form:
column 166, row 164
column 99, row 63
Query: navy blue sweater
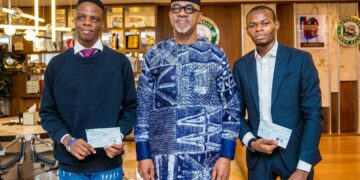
column 85, row 93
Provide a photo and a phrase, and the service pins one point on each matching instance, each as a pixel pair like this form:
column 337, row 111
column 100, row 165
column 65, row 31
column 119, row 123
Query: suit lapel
column 282, row 58
column 252, row 77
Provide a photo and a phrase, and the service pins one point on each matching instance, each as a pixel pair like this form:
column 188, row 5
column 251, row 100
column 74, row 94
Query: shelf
column 131, row 28
column 132, row 50
column 42, row 52
column 31, row 96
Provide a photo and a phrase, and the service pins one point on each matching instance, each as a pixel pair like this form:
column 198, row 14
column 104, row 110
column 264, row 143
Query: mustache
column 182, row 19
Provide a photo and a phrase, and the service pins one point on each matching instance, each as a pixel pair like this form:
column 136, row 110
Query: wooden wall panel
column 334, row 113
column 286, row 31
column 20, row 101
column 326, row 119
column 348, row 106
column 228, row 19
column 164, row 29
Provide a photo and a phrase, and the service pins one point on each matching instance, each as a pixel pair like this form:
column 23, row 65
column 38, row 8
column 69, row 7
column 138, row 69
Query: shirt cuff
column 62, row 139
column 228, row 149
column 247, row 138
column 304, row 166
column 58, row 134
column 143, row 150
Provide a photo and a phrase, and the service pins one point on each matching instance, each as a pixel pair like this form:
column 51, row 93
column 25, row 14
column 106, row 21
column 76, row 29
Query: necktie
column 88, row 52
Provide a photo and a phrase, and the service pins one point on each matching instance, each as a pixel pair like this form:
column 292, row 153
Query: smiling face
column 182, row 22
column 261, row 27
column 88, row 23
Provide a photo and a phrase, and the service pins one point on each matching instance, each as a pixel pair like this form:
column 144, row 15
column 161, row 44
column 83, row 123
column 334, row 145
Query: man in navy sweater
column 86, row 87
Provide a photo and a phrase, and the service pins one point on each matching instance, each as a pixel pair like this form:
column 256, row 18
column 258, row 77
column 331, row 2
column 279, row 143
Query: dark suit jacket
column 296, row 103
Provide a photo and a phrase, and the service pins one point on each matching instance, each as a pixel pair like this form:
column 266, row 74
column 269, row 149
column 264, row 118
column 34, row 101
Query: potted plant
column 5, row 82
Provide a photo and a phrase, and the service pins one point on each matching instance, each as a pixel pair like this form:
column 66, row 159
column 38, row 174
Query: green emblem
column 348, row 31
column 207, row 29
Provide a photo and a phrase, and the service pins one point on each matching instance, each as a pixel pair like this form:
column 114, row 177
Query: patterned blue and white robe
column 188, row 109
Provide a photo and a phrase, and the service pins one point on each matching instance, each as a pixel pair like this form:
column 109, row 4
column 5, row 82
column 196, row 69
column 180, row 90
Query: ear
column 277, row 25
column 200, row 17
column 247, row 32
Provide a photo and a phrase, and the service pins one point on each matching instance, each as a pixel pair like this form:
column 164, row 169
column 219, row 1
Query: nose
column 87, row 22
column 182, row 12
column 259, row 27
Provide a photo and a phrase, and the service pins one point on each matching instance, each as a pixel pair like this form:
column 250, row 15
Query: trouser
column 269, row 167
column 114, row 174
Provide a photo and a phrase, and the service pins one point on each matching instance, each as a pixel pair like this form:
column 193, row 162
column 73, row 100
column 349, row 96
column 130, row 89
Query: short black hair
column 263, row 7
column 97, row 2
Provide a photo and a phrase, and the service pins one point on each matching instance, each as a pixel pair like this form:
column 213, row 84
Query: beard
column 263, row 44
column 182, row 29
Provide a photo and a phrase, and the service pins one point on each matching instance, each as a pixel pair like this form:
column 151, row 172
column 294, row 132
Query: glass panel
column 147, row 38
column 40, row 43
column 140, row 17
column 60, row 18
column 4, row 39
column 68, row 40
column 114, row 17
column 133, row 59
column 132, row 39
column 114, row 39
column 71, row 17
column 3, row 18
column 46, row 57
column 35, row 63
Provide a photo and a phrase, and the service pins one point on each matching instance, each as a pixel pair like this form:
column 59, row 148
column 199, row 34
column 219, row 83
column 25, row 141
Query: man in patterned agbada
column 188, row 106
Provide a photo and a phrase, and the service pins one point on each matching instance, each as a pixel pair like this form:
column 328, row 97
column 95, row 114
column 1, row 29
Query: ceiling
column 22, row 3
column 67, row 2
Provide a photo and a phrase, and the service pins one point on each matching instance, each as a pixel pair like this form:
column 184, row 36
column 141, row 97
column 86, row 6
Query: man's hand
column 114, row 150
column 299, row 175
column 264, row 145
column 79, row 148
column 221, row 170
column 146, row 169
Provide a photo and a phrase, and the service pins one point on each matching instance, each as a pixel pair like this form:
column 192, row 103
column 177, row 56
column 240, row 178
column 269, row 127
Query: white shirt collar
column 78, row 47
column 272, row 52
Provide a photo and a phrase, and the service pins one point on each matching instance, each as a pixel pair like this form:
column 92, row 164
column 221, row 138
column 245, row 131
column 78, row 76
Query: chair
column 10, row 158
column 42, row 152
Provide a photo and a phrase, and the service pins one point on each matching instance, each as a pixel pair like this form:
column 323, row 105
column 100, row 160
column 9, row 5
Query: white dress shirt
column 265, row 67
column 78, row 47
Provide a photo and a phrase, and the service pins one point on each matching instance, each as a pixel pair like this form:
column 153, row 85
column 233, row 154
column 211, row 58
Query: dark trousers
column 269, row 167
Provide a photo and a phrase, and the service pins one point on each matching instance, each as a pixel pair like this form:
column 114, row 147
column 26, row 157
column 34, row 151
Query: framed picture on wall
column 312, row 31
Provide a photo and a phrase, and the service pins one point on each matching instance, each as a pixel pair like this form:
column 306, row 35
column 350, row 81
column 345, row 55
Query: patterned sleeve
column 231, row 106
column 144, row 100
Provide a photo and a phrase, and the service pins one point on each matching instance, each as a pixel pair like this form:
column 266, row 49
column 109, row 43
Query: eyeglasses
column 189, row 9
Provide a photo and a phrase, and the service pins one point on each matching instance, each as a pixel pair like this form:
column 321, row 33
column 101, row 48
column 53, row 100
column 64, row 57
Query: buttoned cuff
column 247, row 138
column 304, row 166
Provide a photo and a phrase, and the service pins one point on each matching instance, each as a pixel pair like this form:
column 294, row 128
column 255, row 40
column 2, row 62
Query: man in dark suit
column 278, row 85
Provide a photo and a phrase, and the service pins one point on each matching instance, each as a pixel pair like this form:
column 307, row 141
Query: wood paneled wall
column 348, row 106
column 334, row 112
column 286, row 31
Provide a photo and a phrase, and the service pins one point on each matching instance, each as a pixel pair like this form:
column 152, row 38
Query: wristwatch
column 249, row 144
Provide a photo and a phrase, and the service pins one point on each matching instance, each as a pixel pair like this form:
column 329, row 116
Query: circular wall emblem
column 207, row 29
column 348, row 31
